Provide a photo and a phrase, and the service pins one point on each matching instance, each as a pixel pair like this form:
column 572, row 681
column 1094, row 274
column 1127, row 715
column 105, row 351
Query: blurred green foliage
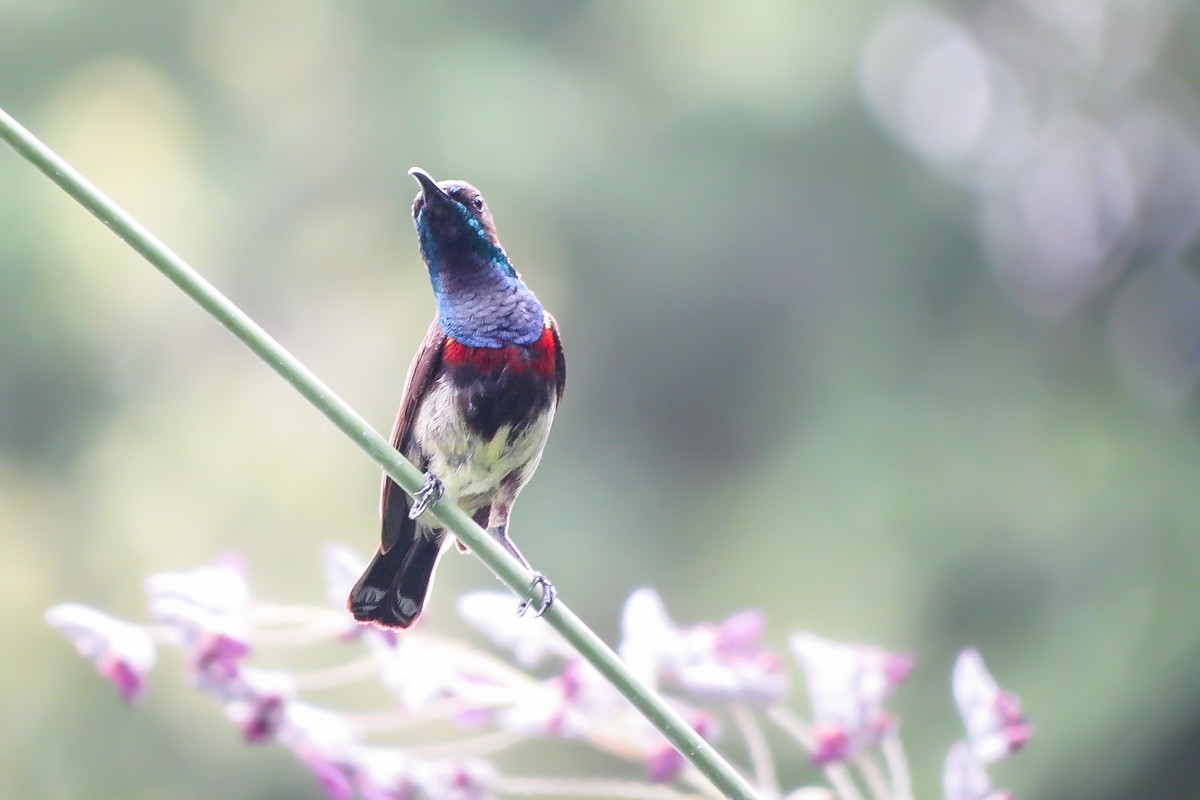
column 798, row 380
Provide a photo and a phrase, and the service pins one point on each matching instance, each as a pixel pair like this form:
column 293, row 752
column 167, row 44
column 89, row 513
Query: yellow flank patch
column 491, row 453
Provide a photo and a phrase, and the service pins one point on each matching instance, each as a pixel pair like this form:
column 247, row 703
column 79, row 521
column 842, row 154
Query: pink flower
column 215, row 642
column 723, row 662
column 261, row 703
column 996, row 728
column 259, row 719
column 206, row 608
column 217, row 656
column 847, row 686
column 831, row 742
column 123, row 653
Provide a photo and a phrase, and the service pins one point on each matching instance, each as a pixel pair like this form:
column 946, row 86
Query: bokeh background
column 881, row 317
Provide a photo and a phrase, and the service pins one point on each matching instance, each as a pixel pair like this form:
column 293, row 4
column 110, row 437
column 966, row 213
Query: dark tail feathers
column 392, row 590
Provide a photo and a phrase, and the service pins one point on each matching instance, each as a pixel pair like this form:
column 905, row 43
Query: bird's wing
column 393, row 501
column 560, row 360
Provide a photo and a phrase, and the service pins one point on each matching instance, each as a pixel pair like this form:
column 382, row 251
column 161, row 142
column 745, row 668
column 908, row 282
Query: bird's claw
column 430, row 492
column 548, row 595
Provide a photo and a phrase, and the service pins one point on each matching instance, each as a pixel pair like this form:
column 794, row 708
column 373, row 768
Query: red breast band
column 538, row 356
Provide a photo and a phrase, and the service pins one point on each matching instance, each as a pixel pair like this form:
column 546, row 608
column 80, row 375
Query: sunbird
column 478, row 403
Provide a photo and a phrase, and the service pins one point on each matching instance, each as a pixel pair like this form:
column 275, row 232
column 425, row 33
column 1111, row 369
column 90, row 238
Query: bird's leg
column 499, row 531
column 429, row 493
column 549, row 593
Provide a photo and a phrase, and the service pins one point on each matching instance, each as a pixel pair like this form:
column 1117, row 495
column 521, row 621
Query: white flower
column 123, row 653
column 714, row 662
column 996, row 728
column 847, row 686
column 529, row 639
column 218, row 588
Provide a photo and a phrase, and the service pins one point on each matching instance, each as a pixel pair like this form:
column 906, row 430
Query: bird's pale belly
column 470, row 467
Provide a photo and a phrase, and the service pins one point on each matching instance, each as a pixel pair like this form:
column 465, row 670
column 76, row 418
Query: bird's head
column 455, row 227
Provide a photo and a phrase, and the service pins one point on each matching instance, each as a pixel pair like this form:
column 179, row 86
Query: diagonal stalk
column 337, row 411
column 758, row 749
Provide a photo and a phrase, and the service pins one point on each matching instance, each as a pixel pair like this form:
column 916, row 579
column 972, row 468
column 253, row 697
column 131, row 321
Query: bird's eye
column 477, row 201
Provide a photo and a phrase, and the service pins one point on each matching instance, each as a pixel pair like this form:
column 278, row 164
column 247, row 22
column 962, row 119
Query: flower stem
column 399, row 719
column 486, row 548
column 873, row 776
column 475, row 747
column 758, row 749
column 897, row 764
column 340, row 675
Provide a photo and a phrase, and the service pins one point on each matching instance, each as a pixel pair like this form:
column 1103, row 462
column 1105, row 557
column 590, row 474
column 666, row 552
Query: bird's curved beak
column 429, row 188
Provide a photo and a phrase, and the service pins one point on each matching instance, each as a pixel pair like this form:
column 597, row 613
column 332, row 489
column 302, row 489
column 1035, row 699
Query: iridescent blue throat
column 481, row 301
column 487, row 309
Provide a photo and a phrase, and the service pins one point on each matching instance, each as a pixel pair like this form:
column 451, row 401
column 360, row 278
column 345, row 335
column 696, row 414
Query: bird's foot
column 548, row 595
column 429, row 493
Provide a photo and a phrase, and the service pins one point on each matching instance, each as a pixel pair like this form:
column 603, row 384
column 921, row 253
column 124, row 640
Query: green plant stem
column 508, row 570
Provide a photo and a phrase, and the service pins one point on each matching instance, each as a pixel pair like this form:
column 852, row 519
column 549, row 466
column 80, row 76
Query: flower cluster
column 718, row 676
column 847, row 684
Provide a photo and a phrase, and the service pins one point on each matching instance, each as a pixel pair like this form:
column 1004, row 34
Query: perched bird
column 478, row 403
